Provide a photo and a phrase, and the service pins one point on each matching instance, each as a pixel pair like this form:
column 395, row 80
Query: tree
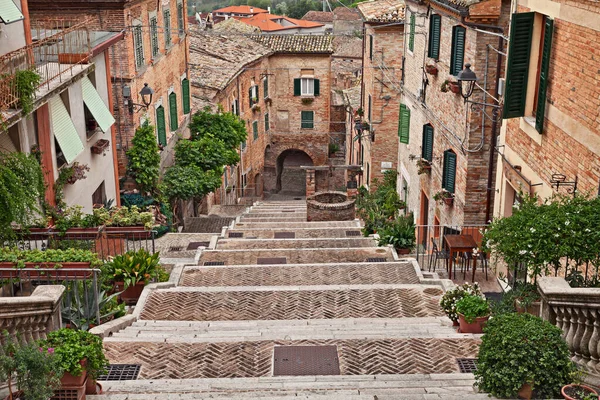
column 144, row 159
column 222, row 125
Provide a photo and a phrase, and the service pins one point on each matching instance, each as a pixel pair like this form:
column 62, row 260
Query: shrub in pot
column 451, row 297
column 578, row 392
column 31, row 372
column 527, row 298
column 473, row 312
column 518, row 350
column 400, row 233
column 79, row 355
column 131, row 271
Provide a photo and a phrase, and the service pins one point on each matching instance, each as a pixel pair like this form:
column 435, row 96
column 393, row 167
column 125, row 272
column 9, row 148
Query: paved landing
column 318, row 274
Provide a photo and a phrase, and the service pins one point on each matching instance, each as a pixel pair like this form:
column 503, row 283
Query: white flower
column 587, row 230
column 567, row 223
column 522, row 252
column 532, row 230
column 556, row 235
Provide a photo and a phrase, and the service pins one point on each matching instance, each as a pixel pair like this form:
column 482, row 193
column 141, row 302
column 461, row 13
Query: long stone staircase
column 274, row 281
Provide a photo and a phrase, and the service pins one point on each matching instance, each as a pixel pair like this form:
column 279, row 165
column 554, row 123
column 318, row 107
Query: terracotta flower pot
column 131, row 295
column 431, row 69
column 92, row 387
column 403, row 251
column 455, row 323
column 473, row 327
column 31, row 270
column 69, row 380
column 526, row 391
column 569, row 391
column 449, row 200
column 533, row 308
column 454, row 88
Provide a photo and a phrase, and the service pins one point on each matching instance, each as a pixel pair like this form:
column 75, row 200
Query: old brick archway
column 291, row 179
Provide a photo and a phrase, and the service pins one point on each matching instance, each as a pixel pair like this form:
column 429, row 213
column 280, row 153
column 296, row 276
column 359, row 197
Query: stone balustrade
column 32, row 317
column 577, row 312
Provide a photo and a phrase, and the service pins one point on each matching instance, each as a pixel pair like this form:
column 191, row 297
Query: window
column 266, row 87
column 306, row 87
column 368, row 174
column 457, row 55
column 449, row 172
column 253, row 95
column 307, row 119
column 266, row 122
column 185, row 94
column 411, row 37
column 404, row 190
column 427, row 147
column 99, row 195
column 173, row 111
column 180, row 18
column 138, row 45
column 161, row 126
column 154, row 36
column 255, row 129
column 234, row 107
column 371, row 47
column 404, row 123
column 518, row 68
column 167, row 24
column 435, row 30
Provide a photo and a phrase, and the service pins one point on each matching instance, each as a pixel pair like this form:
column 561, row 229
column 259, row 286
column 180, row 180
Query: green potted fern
column 400, row 233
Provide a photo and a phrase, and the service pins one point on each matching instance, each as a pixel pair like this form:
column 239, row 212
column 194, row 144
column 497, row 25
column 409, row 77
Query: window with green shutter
column 154, row 36
column 185, row 94
column 371, row 47
column 297, row 86
column 266, row 122
column 180, row 18
column 517, row 66
column 167, row 24
column 411, row 37
column 173, row 111
column 161, row 127
column 449, row 172
column 138, row 44
column 457, row 55
column 404, row 123
column 427, row 147
column 540, row 111
column 307, row 119
column 317, row 87
column 266, row 86
column 255, row 129
column 435, row 31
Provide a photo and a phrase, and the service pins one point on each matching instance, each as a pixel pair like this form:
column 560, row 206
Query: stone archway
column 291, row 179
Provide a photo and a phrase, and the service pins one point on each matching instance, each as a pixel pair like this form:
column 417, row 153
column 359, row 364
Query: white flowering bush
column 451, row 297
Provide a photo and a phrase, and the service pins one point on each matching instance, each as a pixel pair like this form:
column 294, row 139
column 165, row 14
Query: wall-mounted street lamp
column 146, row 94
column 466, row 82
column 558, row 180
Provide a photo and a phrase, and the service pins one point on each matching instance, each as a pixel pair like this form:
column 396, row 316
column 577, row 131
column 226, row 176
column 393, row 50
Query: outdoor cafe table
column 458, row 244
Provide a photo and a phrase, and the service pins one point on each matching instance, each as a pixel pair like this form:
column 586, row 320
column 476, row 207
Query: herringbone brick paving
column 253, row 359
column 370, row 274
column 304, row 304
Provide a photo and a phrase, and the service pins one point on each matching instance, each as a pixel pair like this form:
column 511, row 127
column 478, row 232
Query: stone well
column 330, row 206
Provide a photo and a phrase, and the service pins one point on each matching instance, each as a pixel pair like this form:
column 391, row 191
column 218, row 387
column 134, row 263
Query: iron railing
column 58, row 46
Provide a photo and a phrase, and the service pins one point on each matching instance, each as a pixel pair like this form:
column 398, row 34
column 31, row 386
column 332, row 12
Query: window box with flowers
column 255, row 108
column 444, row 196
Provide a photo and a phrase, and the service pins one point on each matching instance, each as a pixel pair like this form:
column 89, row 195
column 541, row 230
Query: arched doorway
column 291, row 179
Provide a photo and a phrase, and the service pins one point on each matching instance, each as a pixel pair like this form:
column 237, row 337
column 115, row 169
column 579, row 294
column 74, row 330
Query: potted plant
column 333, row 148
column 80, row 355
column 576, row 391
column 307, row 100
column 444, row 196
column 28, row 263
column 445, row 86
column 520, row 351
column 360, row 112
column 452, row 296
column 423, row 166
column 400, row 233
column 431, row 69
column 131, row 271
column 100, row 146
column 31, row 373
column 527, row 298
column 473, row 312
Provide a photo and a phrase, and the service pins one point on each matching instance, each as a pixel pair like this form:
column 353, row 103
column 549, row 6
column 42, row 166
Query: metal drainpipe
column 488, row 200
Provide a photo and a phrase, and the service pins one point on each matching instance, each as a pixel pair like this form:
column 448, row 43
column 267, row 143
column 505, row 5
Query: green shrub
column 472, row 307
column 518, row 349
column 51, row 256
column 132, row 267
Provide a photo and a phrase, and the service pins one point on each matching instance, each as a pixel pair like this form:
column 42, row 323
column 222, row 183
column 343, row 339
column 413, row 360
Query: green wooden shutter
column 449, row 172
column 250, row 96
column 411, row 37
column 257, row 94
column 167, row 24
column 255, row 129
column 435, row 30
column 154, row 36
column 317, row 87
column 173, row 111
column 139, row 46
column 371, row 47
column 266, row 86
column 404, row 124
column 519, row 49
column 237, row 107
column 458, row 49
column 296, row 86
column 369, row 110
column 307, row 120
column 543, row 85
column 185, row 93
column 266, row 122
column 427, row 147
column 161, row 126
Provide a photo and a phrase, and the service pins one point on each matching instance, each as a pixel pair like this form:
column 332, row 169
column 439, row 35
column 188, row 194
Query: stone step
column 280, row 224
column 282, row 218
column 293, row 243
column 300, row 233
column 296, row 256
column 358, row 387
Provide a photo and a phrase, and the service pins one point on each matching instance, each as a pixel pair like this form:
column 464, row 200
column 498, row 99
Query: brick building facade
column 153, row 51
column 552, row 122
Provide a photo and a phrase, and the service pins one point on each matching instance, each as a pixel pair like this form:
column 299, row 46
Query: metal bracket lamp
column 146, row 94
column 466, row 82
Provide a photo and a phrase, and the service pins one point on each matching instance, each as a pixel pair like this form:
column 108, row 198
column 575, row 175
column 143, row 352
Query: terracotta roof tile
column 382, row 10
column 272, row 23
column 296, row 43
column 345, row 14
column 318, row 16
column 243, row 9
column 233, row 25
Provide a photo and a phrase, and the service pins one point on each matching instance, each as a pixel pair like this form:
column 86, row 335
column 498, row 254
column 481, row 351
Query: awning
column 64, row 130
column 9, row 12
column 94, row 103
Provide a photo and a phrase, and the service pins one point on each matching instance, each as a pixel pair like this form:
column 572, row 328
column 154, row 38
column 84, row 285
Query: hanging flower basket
column 100, row 146
column 431, row 70
column 454, row 87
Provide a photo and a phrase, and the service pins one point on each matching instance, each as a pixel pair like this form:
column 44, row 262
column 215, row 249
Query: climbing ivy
column 144, row 159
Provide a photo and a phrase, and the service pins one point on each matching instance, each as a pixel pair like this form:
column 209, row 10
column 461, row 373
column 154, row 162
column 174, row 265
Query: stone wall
column 330, row 206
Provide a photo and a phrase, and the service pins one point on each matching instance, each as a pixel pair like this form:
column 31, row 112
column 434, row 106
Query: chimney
column 251, row 10
column 269, row 9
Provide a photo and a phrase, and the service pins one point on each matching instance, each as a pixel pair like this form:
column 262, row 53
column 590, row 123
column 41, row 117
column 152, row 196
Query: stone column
column 310, row 182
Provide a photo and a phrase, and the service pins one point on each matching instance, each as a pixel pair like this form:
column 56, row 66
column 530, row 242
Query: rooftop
column 243, row 9
column 296, row 43
column 273, row 23
column 345, row 14
column 382, row 10
column 348, row 46
column 318, row 16
column 234, row 25
column 352, row 97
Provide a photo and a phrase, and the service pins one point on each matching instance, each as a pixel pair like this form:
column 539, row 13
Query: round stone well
column 330, row 206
